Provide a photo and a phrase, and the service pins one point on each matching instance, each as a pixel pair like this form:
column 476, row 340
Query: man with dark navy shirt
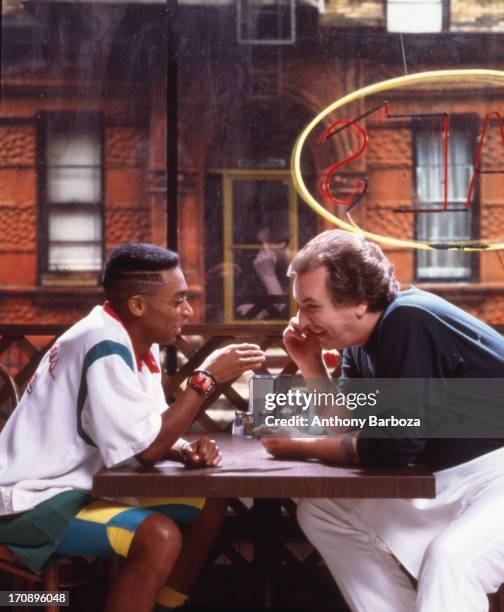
column 349, row 299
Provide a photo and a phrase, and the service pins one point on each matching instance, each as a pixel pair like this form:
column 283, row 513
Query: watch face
column 202, row 383
column 205, row 382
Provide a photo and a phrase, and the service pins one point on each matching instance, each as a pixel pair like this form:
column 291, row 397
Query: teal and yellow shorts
column 107, row 528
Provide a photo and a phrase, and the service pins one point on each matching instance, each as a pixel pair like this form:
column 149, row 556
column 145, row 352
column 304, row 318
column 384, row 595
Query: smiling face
column 165, row 309
column 336, row 326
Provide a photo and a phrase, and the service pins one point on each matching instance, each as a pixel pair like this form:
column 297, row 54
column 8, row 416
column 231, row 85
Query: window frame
column 45, row 276
column 472, row 124
column 229, row 176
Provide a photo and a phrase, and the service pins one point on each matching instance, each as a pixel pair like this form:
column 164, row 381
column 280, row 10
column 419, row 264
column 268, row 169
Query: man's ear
column 361, row 309
column 136, row 305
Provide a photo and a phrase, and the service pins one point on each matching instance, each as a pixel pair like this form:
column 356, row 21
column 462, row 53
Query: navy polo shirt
column 421, row 335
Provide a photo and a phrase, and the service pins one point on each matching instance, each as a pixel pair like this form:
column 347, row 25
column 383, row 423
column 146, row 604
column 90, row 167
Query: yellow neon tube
column 474, row 75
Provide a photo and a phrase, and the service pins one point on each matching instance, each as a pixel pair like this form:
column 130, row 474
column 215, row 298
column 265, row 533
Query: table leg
column 266, row 547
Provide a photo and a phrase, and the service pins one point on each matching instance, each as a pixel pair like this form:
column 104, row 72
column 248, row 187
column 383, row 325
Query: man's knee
column 215, row 507
column 446, row 550
column 313, row 512
column 306, row 515
column 158, row 538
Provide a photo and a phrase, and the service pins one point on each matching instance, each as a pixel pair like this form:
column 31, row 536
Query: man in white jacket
column 96, row 400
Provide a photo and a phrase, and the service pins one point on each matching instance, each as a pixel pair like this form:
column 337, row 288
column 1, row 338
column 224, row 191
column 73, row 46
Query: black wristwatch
column 203, row 383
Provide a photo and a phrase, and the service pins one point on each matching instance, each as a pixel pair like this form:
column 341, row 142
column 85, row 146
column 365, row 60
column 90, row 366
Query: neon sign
column 490, row 78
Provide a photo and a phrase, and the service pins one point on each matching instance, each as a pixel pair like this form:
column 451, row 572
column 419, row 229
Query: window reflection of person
column 270, row 267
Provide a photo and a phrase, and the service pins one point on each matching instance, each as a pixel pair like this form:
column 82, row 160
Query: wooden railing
column 30, row 342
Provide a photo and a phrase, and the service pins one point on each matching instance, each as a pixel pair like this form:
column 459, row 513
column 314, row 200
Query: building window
column 455, row 224
column 415, row 16
column 71, row 190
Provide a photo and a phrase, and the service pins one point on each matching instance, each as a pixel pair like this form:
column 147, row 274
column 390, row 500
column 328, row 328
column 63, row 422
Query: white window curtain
column 74, row 194
column 444, row 226
column 73, row 161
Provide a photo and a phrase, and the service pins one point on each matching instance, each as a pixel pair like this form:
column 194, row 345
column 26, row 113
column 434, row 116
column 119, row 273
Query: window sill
column 69, row 280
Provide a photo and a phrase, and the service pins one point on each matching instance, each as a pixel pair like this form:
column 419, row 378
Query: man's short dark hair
column 357, row 269
column 131, row 266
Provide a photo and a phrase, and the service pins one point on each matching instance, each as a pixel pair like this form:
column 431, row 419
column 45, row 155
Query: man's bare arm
column 224, row 364
column 305, row 350
column 174, row 422
column 340, row 449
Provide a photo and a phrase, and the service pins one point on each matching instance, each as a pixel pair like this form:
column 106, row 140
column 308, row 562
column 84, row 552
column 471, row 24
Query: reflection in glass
column 260, row 237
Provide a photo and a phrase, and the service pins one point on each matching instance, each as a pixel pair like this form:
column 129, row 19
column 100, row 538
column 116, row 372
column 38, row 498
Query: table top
column 248, row 471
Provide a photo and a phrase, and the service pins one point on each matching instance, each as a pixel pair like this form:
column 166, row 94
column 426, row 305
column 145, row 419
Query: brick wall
column 127, row 213
column 482, row 16
column 353, row 13
column 18, row 213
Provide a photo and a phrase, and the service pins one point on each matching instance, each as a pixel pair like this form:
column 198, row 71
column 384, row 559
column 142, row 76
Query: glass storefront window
column 174, row 123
